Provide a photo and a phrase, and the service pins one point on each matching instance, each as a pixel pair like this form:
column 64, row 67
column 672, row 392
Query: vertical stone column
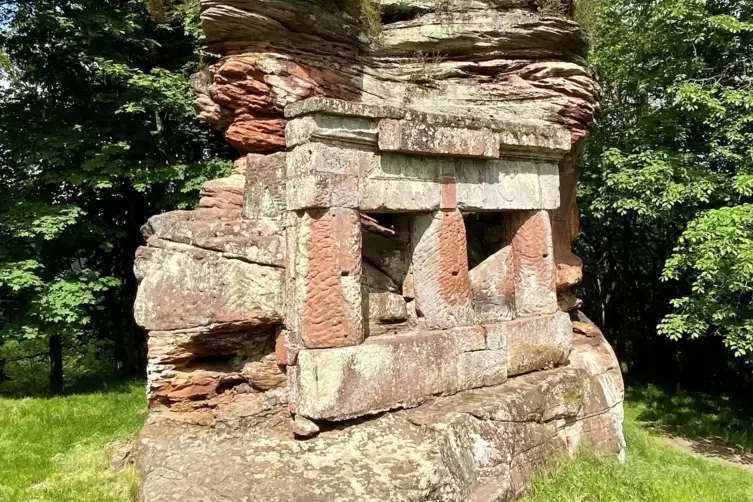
column 534, row 272
column 324, row 278
column 440, row 270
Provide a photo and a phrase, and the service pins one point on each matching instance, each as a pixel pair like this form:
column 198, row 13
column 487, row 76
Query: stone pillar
column 440, row 270
column 324, row 278
column 534, row 272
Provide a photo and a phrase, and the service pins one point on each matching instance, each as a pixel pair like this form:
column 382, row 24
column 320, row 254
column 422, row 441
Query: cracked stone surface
column 481, row 445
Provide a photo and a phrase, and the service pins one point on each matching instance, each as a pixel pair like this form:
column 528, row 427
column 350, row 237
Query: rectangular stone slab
column 393, row 371
column 192, row 288
column 417, row 137
column 321, row 176
column 533, row 343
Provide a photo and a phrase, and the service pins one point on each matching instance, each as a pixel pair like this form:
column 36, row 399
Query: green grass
column 655, row 471
column 58, row 449
column 693, row 414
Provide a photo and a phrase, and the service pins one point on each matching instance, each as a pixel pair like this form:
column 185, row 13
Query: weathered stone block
column 493, row 288
column 265, row 187
column 533, row 263
column 482, row 368
column 384, row 307
column 440, row 270
column 396, row 182
column 253, row 241
column 532, row 343
column 190, row 288
column 388, row 372
column 419, row 137
column 509, row 184
column 324, row 306
column 223, row 193
column 321, row 176
column 341, row 130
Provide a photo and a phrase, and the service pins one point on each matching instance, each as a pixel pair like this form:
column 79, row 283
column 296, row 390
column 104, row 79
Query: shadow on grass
column 715, row 426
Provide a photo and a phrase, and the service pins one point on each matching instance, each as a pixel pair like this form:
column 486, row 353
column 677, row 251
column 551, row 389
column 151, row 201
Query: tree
column 97, row 133
column 668, row 174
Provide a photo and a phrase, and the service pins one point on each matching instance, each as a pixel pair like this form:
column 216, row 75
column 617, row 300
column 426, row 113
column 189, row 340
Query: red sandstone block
column 534, row 270
column 493, row 288
column 326, row 305
column 440, row 270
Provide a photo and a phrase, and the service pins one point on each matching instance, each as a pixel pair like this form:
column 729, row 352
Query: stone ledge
column 397, row 129
column 479, row 445
column 401, row 371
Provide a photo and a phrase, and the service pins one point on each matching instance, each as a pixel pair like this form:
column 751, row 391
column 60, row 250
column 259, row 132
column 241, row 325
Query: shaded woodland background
column 98, row 132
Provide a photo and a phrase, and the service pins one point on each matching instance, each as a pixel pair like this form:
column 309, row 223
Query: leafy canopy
column 674, row 153
column 97, row 133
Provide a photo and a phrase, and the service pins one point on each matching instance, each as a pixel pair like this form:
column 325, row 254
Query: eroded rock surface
column 393, row 247
column 516, row 60
column 481, row 445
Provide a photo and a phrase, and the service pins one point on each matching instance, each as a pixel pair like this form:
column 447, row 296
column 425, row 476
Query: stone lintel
column 321, row 176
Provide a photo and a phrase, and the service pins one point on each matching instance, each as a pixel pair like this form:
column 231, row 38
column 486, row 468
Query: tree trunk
column 56, row 364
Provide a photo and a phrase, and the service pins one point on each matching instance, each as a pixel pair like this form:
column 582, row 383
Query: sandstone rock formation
column 481, row 445
column 398, row 229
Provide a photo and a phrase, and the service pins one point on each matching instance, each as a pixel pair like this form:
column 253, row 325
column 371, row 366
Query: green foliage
column 97, row 133
column 669, row 173
column 716, row 251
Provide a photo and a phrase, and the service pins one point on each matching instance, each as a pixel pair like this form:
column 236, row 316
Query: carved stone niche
column 372, row 327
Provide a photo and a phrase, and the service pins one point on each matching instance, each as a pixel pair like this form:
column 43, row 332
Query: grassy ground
column 693, row 414
column 656, row 471
column 58, row 449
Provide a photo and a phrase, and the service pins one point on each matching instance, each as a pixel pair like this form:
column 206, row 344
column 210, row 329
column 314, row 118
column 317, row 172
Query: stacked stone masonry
column 397, row 232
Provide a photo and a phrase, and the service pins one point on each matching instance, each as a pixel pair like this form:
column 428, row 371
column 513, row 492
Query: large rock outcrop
column 394, row 243
column 481, row 446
